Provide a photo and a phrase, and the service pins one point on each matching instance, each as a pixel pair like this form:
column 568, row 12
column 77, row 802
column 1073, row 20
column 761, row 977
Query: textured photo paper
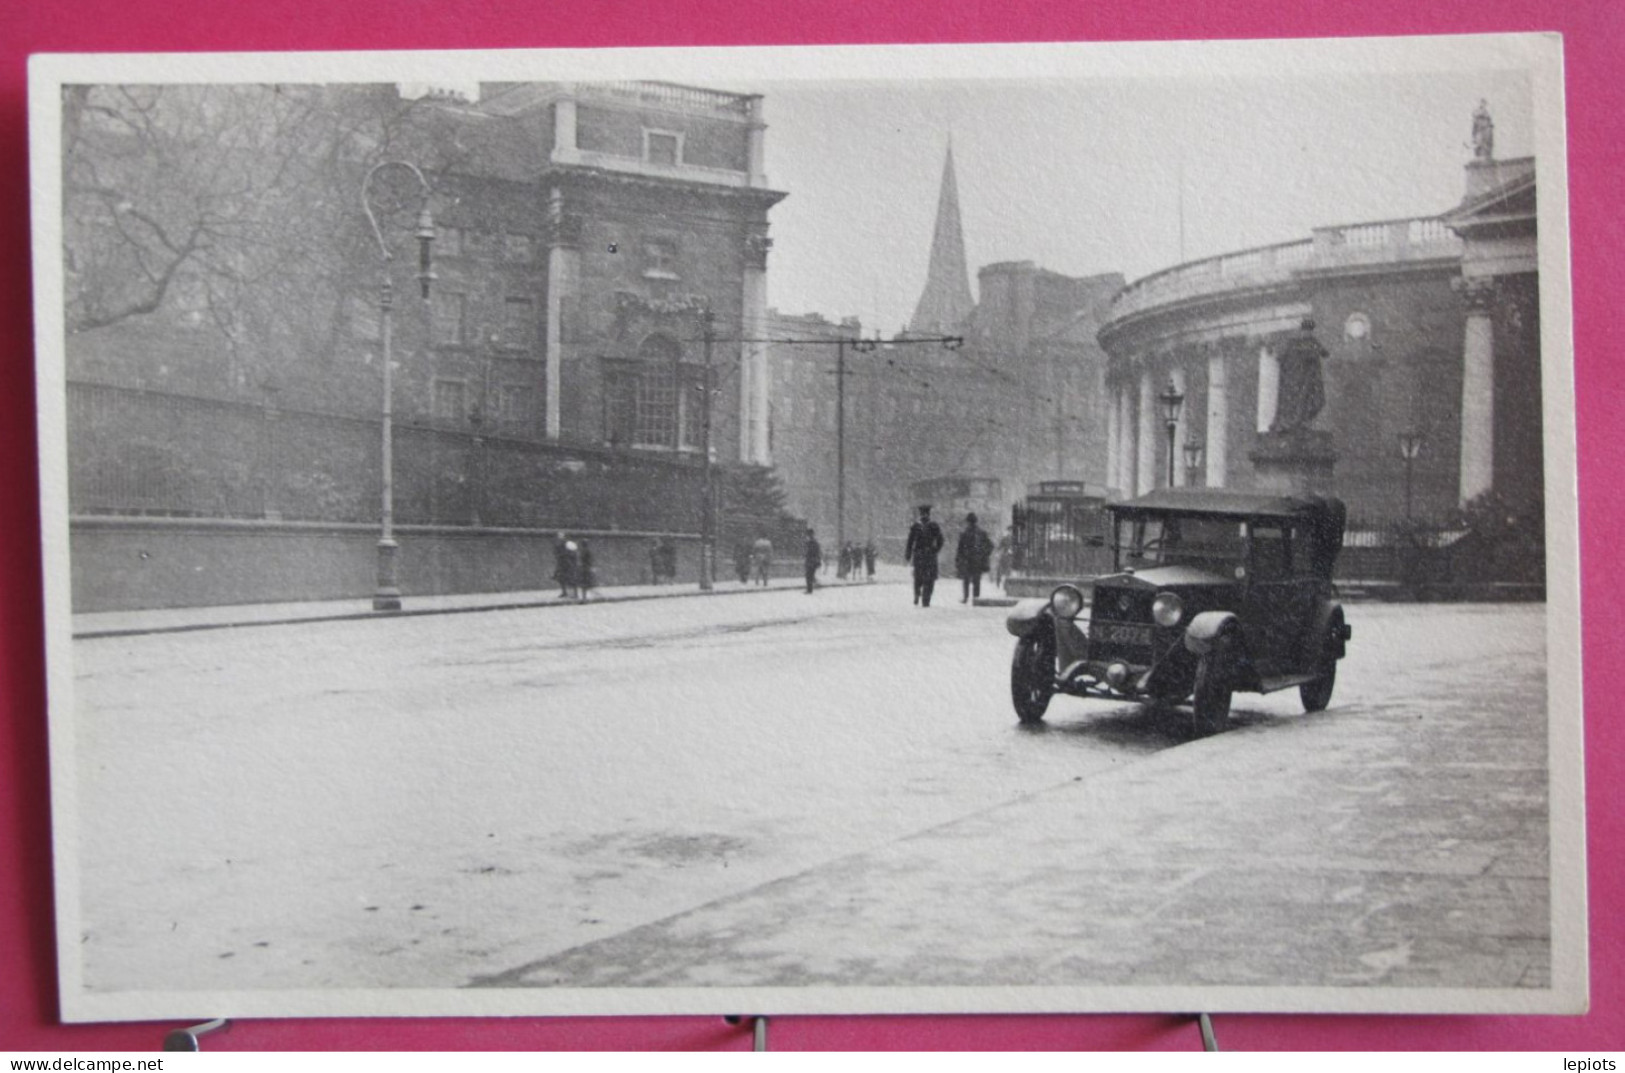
column 486, row 570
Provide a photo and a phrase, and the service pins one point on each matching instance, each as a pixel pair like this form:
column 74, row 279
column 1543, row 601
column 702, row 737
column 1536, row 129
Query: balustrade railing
column 1362, row 243
column 673, row 96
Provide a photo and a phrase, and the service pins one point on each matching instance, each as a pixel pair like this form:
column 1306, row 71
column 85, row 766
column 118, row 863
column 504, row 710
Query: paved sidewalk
column 184, row 619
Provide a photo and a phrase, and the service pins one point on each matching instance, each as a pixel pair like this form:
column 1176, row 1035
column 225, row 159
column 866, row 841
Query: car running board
column 1285, row 681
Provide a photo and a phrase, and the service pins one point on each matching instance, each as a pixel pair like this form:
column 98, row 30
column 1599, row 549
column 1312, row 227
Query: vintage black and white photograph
column 883, row 529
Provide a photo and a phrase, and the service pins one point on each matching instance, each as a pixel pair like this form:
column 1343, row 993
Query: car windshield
column 1162, row 540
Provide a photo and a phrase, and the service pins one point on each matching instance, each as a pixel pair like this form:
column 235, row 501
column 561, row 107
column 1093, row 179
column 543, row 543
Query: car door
column 1280, row 593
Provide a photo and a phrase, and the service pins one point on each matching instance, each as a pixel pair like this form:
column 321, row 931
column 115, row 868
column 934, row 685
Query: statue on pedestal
column 1302, row 391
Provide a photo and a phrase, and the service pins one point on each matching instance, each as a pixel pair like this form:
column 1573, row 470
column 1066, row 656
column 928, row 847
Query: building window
column 448, row 317
column 663, row 147
column 641, row 407
column 450, row 401
column 660, row 259
column 515, row 406
column 654, row 401
column 518, row 324
column 448, row 242
column 517, row 249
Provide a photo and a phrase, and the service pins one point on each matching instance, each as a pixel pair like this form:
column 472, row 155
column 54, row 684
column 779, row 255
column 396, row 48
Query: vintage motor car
column 1214, row 592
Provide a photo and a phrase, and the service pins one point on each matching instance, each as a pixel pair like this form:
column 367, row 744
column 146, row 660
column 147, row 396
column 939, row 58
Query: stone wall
column 132, row 563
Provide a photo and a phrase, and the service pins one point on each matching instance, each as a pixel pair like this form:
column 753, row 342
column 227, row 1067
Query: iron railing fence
column 1060, row 537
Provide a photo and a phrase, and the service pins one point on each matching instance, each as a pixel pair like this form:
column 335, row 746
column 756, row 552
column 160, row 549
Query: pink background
column 1594, row 32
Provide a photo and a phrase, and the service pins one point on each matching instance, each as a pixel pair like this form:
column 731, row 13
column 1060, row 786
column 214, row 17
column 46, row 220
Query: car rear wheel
column 1317, row 694
column 1032, row 675
column 1211, row 703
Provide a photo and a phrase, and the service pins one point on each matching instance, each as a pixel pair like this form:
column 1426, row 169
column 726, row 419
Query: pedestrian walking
column 1001, row 561
column 565, row 565
column 812, row 558
column 869, row 557
column 971, row 557
column 668, row 559
column 656, row 561
column 924, row 543
column 742, row 562
column 761, row 559
column 586, row 581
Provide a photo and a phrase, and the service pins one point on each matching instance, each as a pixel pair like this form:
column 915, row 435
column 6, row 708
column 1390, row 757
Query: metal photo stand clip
column 758, row 1031
column 186, row 1039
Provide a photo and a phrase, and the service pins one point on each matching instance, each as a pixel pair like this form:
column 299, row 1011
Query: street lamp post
column 387, row 594
column 1171, row 401
column 1410, row 445
column 1193, row 460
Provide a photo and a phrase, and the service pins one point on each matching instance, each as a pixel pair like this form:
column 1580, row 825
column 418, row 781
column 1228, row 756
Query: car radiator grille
column 1120, row 627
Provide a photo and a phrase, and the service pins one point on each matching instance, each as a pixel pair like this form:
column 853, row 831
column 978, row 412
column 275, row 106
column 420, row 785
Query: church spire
column 946, row 302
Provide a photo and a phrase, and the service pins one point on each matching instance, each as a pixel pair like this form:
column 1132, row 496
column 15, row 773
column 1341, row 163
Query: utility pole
column 840, row 442
column 708, row 516
column 840, row 343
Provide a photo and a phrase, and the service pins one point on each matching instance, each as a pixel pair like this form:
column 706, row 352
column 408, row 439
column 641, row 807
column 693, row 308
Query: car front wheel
column 1032, row 675
column 1211, row 703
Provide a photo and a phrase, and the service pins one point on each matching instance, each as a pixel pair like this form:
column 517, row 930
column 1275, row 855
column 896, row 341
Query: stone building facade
column 1431, row 326
column 1015, row 401
column 599, row 254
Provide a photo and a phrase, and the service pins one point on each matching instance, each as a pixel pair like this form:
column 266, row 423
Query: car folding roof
column 1225, row 502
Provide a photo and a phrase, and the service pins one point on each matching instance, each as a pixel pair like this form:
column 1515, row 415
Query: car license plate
column 1113, row 633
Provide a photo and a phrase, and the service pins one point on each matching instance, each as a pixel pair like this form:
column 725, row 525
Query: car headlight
column 1167, row 609
column 1066, row 602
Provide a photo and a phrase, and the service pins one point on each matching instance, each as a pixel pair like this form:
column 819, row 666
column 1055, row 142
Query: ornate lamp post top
column 1172, row 402
column 425, row 224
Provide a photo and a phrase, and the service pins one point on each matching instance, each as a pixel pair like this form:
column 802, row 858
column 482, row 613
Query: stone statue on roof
column 1483, row 132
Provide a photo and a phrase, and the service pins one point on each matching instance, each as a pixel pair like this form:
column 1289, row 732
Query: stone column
column 1183, row 427
column 1126, row 447
column 1218, row 419
column 754, row 136
column 1478, row 390
column 564, row 131
column 1269, row 386
column 1113, row 432
column 1146, row 464
column 563, row 268
column 753, row 368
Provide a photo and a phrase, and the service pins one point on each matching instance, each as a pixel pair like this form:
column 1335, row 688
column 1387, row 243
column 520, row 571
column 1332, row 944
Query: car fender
column 1207, row 626
column 1325, row 614
column 1026, row 617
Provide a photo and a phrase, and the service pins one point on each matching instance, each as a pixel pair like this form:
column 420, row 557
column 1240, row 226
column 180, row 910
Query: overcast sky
column 1084, row 176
